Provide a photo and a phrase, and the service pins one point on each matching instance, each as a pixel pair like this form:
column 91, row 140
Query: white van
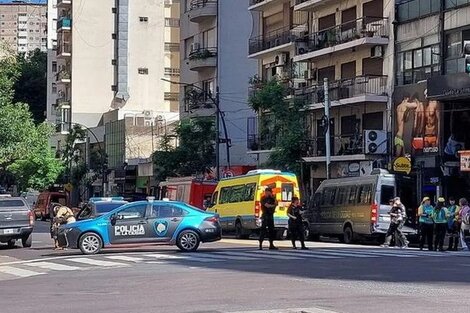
column 352, row 207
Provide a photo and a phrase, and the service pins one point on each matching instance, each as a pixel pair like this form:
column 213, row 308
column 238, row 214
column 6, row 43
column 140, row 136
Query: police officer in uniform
column 296, row 227
column 268, row 207
column 62, row 215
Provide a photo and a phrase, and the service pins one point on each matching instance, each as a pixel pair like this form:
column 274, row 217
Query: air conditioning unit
column 281, row 59
column 377, row 52
column 301, row 48
column 195, row 46
column 375, row 142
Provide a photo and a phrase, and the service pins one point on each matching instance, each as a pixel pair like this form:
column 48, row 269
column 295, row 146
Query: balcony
column 308, row 5
column 64, row 3
column 258, row 144
column 64, row 77
column 342, row 148
column 201, row 10
column 62, row 103
column 261, row 5
column 279, row 40
column 363, row 32
column 64, row 50
column 346, row 91
column 202, row 58
column 65, row 23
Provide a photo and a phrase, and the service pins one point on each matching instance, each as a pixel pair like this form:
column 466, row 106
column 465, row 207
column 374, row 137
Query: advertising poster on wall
column 416, row 121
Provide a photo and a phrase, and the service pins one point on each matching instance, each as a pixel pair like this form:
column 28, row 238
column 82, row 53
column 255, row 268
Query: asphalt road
column 233, row 276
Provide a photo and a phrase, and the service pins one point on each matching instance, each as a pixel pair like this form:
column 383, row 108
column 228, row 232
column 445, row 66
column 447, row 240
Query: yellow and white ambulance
column 237, row 200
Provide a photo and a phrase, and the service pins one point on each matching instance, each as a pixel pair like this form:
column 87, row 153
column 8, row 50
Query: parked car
column 143, row 222
column 45, row 199
column 16, row 221
column 99, row 206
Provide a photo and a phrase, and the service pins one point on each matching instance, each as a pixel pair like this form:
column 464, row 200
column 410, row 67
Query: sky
column 31, row 1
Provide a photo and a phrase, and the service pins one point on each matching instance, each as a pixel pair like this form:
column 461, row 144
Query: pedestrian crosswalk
column 24, row 269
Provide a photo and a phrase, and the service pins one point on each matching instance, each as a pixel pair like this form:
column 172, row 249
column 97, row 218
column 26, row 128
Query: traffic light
column 466, row 52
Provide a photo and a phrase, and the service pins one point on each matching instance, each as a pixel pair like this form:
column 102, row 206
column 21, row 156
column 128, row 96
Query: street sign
column 464, row 160
column 402, row 165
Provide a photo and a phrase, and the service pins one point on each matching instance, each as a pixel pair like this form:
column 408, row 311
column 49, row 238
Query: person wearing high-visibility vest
column 453, row 225
column 440, row 217
column 426, row 224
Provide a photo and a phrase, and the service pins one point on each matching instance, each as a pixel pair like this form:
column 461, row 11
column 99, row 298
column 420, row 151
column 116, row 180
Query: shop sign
column 464, row 160
column 402, row 165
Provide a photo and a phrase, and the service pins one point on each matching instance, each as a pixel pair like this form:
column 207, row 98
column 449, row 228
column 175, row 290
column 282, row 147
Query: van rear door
column 386, row 191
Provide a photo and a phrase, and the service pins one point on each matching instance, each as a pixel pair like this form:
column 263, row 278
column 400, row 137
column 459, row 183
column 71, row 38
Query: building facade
column 111, row 57
column 213, row 49
column 349, row 43
column 430, row 109
column 23, row 26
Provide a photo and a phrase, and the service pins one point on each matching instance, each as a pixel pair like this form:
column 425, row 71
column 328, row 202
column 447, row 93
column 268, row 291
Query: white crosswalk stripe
column 125, row 258
column 19, row 272
column 95, row 262
column 372, row 254
column 53, row 266
column 252, row 255
column 301, row 254
column 161, row 256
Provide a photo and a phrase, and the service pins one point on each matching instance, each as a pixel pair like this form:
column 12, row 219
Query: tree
column 281, row 125
column 195, row 153
column 9, row 73
column 31, row 85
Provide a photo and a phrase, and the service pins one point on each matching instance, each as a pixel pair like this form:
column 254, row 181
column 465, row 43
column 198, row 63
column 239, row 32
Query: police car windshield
column 102, row 208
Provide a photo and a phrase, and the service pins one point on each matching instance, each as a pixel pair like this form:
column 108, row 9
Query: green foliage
column 31, row 85
column 281, row 125
column 25, row 156
column 195, row 153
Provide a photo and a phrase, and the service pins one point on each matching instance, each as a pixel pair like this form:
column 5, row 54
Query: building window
column 417, row 64
column 54, row 88
column 172, row 47
column 143, row 71
column 188, row 46
column 143, row 18
column 208, row 87
column 415, row 9
column 172, row 22
column 171, row 96
column 54, row 66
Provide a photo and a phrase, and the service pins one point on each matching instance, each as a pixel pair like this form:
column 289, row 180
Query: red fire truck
column 187, row 189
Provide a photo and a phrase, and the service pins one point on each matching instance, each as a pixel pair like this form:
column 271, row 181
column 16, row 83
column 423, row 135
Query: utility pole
column 327, row 122
column 217, row 134
column 153, row 147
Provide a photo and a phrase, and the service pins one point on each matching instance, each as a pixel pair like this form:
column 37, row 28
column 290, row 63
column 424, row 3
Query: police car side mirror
column 113, row 219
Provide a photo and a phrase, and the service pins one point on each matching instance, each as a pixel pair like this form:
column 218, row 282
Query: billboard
column 416, row 121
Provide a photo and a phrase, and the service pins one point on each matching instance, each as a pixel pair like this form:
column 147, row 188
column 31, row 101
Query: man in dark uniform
column 268, row 207
column 296, row 226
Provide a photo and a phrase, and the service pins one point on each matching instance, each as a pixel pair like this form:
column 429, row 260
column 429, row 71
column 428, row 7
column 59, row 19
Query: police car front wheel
column 90, row 243
column 188, row 241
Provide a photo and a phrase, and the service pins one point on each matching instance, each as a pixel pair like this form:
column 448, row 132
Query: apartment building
column 111, row 57
column 23, row 26
column 214, row 41
column 433, row 89
column 350, row 43
column 51, row 111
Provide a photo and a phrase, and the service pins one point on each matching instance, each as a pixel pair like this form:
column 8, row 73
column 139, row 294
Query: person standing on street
column 296, row 226
column 399, row 236
column 453, row 225
column 464, row 218
column 396, row 217
column 426, row 224
column 440, row 218
column 268, row 207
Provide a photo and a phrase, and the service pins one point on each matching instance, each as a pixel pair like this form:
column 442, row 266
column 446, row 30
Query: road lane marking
column 89, row 261
column 54, row 266
column 124, row 258
column 226, row 257
column 291, row 310
column 303, row 254
column 189, row 257
column 18, row 271
column 257, row 255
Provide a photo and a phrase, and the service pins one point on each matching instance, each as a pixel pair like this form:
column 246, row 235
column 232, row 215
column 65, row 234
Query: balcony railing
column 345, row 88
column 64, row 22
column 274, row 39
column 258, row 143
column 63, row 75
column 297, row 2
column 254, row 2
column 361, row 28
column 339, row 145
column 196, row 4
column 202, row 53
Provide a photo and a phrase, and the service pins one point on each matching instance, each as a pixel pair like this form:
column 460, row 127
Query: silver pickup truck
column 16, row 221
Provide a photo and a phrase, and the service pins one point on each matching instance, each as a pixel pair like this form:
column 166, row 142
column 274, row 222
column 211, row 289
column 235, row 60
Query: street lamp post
column 102, row 153
column 219, row 117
